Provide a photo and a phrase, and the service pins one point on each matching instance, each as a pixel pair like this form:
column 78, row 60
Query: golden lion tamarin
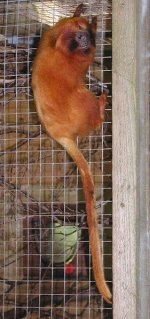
column 67, row 109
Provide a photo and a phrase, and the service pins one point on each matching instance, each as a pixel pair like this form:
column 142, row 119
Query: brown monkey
column 67, row 109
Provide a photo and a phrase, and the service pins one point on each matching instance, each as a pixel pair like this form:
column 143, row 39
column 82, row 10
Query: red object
column 70, row 269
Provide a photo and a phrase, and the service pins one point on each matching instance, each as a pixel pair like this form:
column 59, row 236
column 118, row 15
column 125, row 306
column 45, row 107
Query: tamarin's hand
column 67, row 109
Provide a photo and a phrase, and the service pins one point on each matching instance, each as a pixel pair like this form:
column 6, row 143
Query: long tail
column 88, row 187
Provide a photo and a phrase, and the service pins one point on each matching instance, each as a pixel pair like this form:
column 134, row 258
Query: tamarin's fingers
column 102, row 104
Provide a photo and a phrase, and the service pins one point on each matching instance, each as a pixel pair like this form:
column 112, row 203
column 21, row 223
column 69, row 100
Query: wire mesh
column 44, row 248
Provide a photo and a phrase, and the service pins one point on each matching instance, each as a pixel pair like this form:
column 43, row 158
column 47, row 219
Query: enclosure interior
column 44, row 247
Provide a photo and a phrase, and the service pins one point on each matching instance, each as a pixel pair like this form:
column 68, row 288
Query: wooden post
column 124, row 159
column 143, row 160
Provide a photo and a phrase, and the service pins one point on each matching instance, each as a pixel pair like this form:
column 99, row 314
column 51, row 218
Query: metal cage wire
column 44, row 249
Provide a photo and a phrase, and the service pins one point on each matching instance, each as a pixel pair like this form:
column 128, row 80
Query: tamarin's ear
column 94, row 23
column 78, row 10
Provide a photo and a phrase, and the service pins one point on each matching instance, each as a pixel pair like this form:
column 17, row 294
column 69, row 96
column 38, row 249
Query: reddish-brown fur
column 67, row 110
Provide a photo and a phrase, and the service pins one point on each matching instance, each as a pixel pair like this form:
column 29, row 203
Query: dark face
column 82, row 41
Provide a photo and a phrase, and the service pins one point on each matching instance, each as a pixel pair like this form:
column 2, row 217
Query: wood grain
column 124, row 159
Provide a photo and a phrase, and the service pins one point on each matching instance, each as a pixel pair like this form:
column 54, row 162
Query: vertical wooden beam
column 124, row 159
column 143, row 162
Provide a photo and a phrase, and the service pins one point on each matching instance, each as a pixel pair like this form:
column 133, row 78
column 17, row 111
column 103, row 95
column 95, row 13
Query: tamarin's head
column 75, row 37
